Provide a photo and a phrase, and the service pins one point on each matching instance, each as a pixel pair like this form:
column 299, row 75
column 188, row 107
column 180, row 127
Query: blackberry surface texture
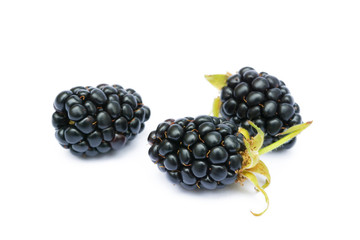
column 92, row 120
column 261, row 98
column 197, row 153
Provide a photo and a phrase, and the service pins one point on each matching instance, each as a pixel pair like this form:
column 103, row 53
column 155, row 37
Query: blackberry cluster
column 262, row 98
column 89, row 120
column 198, row 153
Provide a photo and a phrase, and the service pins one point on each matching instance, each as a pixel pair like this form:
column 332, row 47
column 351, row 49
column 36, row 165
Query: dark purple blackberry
column 89, row 120
column 209, row 152
column 259, row 97
column 198, row 153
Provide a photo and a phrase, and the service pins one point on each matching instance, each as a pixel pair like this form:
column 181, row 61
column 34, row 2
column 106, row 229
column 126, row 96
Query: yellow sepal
column 254, row 180
column 258, row 140
column 244, row 132
column 291, row 133
column 298, row 127
column 217, row 80
column 262, row 169
column 216, row 107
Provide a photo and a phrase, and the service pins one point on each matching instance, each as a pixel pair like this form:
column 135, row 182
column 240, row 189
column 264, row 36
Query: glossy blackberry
column 259, row 97
column 197, row 153
column 89, row 120
column 210, row 153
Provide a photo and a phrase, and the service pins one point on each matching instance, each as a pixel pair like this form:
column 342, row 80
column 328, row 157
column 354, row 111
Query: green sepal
column 217, row 80
column 291, row 133
column 295, row 128
column 216, row 107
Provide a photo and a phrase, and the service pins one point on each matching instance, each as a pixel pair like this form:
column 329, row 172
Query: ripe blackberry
column 89, row 120
column 209, row 152
column 259, row 97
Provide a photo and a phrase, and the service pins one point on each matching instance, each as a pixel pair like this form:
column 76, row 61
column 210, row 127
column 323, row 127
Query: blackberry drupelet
column 89, row 120
column 259, row 97
column 210, row 152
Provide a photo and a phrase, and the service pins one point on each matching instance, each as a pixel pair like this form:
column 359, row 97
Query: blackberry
column 259, row 97
column 89, row 120
column 210, row 152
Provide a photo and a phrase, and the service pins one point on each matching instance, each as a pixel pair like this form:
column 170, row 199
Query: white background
column 162, row 49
